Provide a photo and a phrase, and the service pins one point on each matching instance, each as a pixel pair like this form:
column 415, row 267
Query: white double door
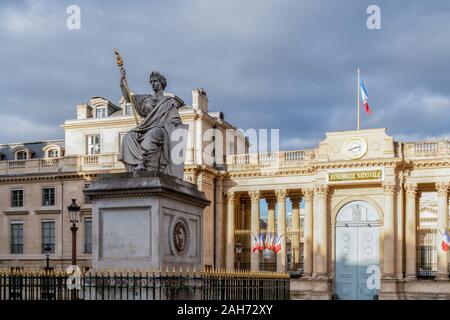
column 357, row 249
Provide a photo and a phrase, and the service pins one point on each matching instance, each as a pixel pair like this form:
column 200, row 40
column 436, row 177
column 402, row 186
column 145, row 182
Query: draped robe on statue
column 149, row 142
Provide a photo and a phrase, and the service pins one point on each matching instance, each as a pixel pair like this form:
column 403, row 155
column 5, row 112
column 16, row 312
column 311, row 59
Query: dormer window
column 53, row 153
column 100, row 112
column 21, row 155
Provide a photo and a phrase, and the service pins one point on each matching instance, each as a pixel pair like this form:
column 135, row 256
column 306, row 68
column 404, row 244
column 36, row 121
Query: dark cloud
column 267, row 64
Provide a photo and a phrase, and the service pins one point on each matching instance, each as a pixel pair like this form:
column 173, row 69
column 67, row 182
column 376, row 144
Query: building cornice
column 49, row 177
column 125, row 121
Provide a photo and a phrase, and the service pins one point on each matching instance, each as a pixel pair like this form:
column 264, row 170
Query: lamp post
column 47, row 250
column 46, row 281
column 74, row 213
column 238, row 249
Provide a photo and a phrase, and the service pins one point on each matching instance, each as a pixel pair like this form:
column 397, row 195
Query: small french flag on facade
column 364, row 97
column 445, row 244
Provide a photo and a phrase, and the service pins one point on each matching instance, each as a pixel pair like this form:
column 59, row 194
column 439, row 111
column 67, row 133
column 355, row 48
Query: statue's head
column 156, row 80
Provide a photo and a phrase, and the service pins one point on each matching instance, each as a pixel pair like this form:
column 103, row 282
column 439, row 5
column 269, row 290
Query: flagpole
column 358, row 100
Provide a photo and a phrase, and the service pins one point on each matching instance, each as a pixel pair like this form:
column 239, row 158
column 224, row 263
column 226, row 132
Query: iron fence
column 53, row 285
column 426, row 254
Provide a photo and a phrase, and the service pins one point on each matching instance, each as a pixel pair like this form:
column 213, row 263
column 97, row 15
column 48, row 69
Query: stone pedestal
column 311, row 288
column 146, row 220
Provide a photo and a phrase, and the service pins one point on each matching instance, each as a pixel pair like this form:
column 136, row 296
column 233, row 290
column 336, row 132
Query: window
column 128, row 109
column 53, row 153
column 48, row 236
column 21, row 155
column 93, row 144
column 16, row 198
column 100, row 112
column 16, row 237
column 48, row 196
column 86, row 199
column 2, row 156
column 88, row 236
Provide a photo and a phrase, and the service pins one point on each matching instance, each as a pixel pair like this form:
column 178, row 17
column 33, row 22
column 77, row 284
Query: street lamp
column 74, row 214
column 238, row 249
column 47, row 250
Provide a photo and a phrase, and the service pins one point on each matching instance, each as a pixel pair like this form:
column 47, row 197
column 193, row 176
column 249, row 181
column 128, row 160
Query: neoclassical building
column 359, row 214
column 373, row 208
column 39, row 179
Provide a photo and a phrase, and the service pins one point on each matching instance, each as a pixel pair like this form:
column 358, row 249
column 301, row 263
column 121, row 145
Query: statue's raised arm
column 124, row 85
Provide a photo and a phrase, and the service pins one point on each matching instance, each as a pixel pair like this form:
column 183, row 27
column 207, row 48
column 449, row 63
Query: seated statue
column 147, row 146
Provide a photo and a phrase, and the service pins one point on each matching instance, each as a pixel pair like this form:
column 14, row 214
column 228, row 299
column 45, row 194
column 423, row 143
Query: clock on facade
column 356, row 148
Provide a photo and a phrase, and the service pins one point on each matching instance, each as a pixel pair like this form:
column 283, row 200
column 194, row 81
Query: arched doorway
column 356, row 249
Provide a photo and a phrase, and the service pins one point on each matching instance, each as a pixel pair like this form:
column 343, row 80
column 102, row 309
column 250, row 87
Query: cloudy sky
column 285, row 64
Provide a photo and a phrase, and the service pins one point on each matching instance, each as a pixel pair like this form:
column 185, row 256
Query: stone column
column 410, row 230
column 308, row 233
column 248, row 225
column 442, row 256
column 389, row 230
column 320, row 265
column 255, row 221
column 220, row 225
column 230, row 231
column 295, row 236
column 241, row 215
column 281, row 230
column 400, row 230
column 270, row 215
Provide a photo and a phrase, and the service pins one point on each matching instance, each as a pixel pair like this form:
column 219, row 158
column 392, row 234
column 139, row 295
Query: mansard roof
column 37, row 148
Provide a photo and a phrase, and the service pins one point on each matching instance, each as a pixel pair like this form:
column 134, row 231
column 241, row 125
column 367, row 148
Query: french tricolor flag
column 445, row 244
column 364, row 97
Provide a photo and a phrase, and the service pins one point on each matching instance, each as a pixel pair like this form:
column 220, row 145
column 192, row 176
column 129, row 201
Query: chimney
column 199, row 99
column 84, row 111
